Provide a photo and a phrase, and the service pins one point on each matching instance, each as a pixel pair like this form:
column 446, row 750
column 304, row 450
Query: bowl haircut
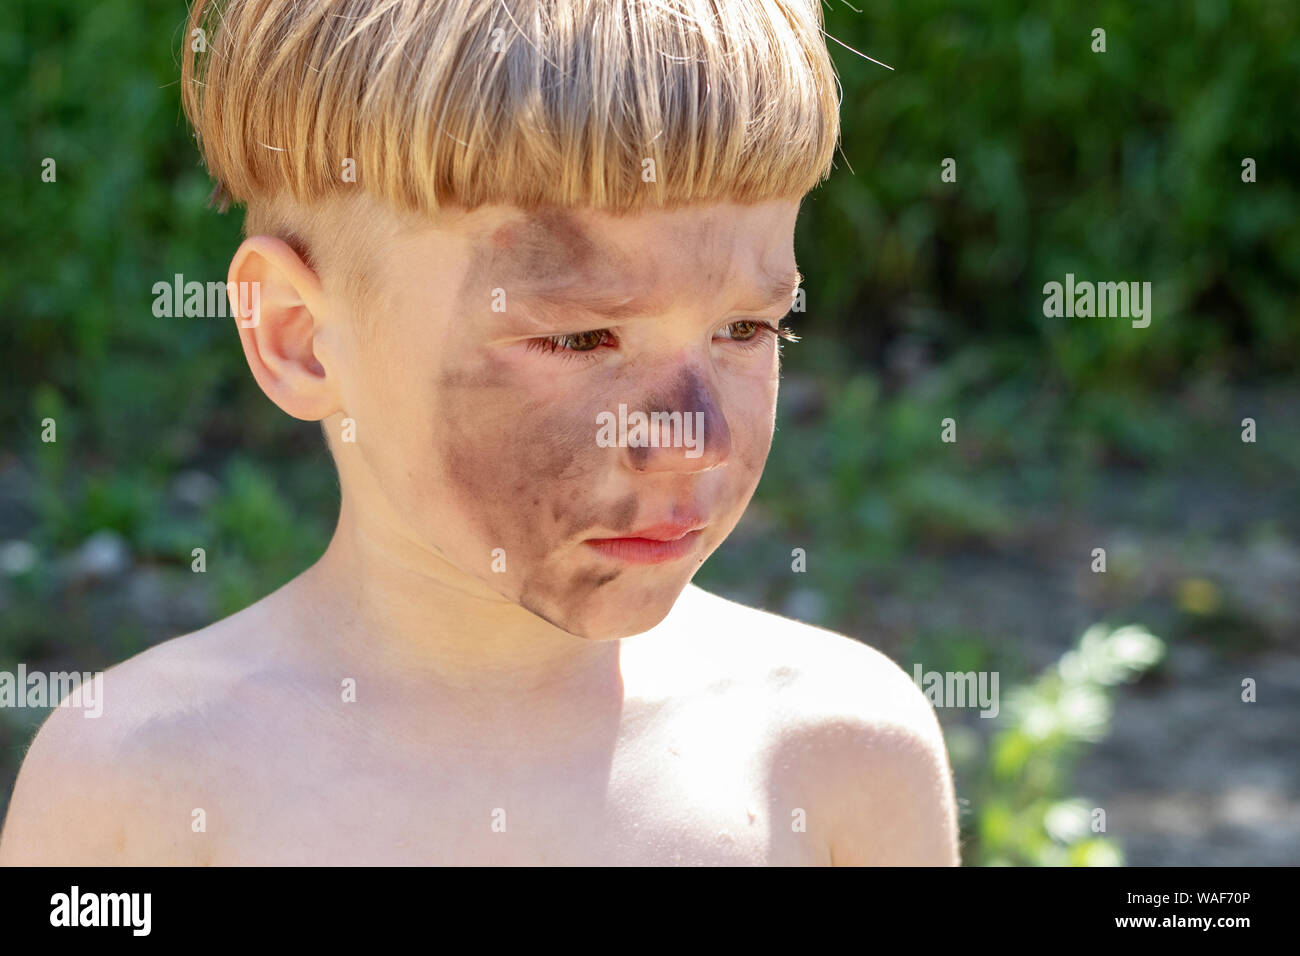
column 306, row 111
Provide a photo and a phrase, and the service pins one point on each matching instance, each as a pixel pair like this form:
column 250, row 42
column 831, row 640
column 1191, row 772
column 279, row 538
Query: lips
column 652, row 544
column 664, row 531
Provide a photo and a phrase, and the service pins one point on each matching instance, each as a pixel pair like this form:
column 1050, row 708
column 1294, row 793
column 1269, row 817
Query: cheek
column 766, row 423
column 526, row 474
column 755, row 442
column 751, row 402
column 526, row 471
column 500, row 454
column 385, row 387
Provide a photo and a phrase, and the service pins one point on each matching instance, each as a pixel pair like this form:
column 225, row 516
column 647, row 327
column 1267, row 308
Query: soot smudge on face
column 688, row 393
column 624, row 513
column 546, row 245
column 496, row 447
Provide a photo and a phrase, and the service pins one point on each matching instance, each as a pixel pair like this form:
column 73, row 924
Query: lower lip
column 644, row 550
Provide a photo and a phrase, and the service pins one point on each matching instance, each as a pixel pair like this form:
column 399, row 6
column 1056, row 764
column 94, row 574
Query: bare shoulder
column 117, row 787
column 851, row 724
column 820, row 672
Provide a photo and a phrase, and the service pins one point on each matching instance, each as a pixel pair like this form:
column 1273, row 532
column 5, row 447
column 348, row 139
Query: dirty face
column 498, row 398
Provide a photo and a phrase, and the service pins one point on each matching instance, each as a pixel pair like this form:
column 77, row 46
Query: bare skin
column 521, row 696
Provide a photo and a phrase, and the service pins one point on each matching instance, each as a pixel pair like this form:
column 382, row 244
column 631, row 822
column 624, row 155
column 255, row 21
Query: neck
column 394, row 609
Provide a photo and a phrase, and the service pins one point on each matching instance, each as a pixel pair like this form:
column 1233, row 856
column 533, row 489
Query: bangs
column 610, row 104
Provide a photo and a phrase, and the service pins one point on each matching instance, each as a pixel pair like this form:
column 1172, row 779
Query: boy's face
column 474, row 433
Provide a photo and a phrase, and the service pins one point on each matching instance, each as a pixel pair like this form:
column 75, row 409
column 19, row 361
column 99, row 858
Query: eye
column 574, row 345
column 746, row 330
column 747, row 333
column 752, row 332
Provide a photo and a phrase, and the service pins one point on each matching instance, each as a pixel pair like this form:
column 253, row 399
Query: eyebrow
column 776, row 290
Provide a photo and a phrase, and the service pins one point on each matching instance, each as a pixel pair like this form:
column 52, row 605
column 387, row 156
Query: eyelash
column 553, row 344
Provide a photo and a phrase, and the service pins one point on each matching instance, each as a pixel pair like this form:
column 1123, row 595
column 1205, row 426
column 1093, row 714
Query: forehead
column 558, row 252
column 547, row 249
column 547, row 243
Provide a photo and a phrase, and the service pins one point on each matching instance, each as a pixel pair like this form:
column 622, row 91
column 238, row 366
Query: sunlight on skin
column 470, row 437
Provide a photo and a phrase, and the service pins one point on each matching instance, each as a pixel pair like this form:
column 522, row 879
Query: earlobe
column 278, row 304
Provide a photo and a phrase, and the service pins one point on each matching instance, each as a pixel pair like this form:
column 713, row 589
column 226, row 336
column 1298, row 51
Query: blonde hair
column 607, row 104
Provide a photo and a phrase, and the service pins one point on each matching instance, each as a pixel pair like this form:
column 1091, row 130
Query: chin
column 613, row 615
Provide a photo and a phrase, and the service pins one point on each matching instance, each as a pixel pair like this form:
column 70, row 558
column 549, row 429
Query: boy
column 478, row 233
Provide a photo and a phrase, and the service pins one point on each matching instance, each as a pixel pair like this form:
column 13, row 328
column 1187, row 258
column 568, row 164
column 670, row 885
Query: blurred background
column 924, row 302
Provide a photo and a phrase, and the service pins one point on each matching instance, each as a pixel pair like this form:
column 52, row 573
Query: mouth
column 655, row 544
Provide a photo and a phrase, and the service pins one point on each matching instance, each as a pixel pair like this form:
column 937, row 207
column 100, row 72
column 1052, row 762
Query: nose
column 683, row 428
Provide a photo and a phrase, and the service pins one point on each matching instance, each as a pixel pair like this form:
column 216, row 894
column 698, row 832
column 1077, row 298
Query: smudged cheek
column 525, row 472
column 752, row 424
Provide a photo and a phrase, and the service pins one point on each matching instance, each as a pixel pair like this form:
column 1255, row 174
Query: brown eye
column 575, row 345
column 744, row 330
column 584, row 341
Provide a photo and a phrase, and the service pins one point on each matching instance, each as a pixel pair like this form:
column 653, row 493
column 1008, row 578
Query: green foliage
column 260, row 545
column 1123, row 165
column 1026, row 816
column 95, row 88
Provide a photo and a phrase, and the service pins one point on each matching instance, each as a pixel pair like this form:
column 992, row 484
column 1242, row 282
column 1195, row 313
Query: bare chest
column 699, row 789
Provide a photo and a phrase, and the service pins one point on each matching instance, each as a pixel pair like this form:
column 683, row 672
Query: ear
column 278, row 302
